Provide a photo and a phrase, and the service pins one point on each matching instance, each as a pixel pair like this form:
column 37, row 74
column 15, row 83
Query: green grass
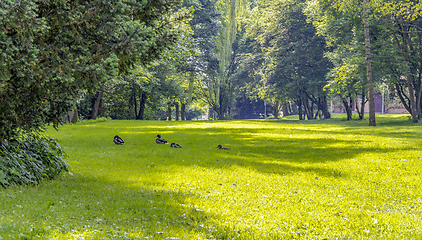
column 284, row 179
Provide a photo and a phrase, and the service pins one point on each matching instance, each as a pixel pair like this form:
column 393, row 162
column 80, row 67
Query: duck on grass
column 118, row 140
column 160, row 140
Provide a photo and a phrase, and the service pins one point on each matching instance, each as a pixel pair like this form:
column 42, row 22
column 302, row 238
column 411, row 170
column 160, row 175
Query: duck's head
column 159, row 136
column 116, row 137
column 219, row 146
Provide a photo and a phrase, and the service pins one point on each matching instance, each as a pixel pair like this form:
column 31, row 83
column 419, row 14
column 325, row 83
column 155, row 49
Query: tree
column 290, row 56
column 52, row 50
column 403, row 24
column 347, row 12
column 331, row 17
column 217, row 90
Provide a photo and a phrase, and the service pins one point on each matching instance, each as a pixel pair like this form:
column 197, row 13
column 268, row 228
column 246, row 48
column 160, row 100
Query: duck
column 160, row 140
column 175, row 145
column 118, row 140
column 221, row 147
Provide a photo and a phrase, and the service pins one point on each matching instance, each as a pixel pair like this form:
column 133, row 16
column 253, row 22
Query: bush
column 89, row 121
column 30, row 160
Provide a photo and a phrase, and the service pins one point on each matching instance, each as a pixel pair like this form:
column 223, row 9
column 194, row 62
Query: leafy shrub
column 101, row 119
column 30, row 160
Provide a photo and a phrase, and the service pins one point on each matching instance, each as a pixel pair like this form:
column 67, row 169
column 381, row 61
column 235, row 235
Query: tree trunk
column 182, row 111
column 359, row 110
column 403, row 97
column 169, row 112
column 418, row 102
column 362, row 105
column 136, row 105
column 348, row 106
column 419, row 91
column 177, row 111
column 96, row 105
column 324, row 109
column 290, row 108
column 142, row 106
column 299, row 109
column 308, row 111
column 311, row 110
column 285, row 108
column 219, row 112
column 409, row 80
column 75, row 117
column 369, row 82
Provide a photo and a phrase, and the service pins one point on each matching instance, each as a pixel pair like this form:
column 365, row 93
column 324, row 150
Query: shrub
column 29, row 160
column 89, row 121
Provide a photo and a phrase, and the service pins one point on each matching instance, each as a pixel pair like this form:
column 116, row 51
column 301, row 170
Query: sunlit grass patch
column 283, row 179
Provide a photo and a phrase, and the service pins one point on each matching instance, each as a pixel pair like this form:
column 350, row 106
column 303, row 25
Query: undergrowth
column 29, row 160
column 91, row 121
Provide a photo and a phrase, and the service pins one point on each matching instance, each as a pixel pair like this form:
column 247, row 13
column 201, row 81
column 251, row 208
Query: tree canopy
column 293, row 55
column 52, row 50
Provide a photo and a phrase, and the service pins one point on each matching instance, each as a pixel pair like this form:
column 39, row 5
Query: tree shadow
column 306, row 151
column 95, row 207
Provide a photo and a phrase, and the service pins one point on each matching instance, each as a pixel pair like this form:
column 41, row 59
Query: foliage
column 91, row 121
column 30, row 160
column 52, row 50
column 394, row 28
column 283, row 179
column 217, row 89
column 140, row 93
column 281, row 59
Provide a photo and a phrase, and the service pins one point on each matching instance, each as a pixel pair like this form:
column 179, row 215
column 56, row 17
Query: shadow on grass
column 103, row 207
column 99, row 208
column 279, row 155
column 276, row 148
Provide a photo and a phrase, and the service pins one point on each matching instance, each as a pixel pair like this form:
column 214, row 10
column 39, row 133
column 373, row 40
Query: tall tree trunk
column 409, row 80
column 325, row 111
column 311, row 110
column 169, row 112
column 220, row 107
column 418, row 102
column 285, row 109
column 182, row 111
column 142, row 106
column 220, row 114
column 290, row 108
column 362, row 105
column 403, row 98
column 361, row 109
column 369, row 81
column 96, row 105
column 308, row 111
column 177, row 111
column 299, row 109
column 136, row 105
column 348, row 106
column 75, row 117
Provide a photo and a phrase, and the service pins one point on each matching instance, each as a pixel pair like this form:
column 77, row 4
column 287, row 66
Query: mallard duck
column 221, row 147
column 118, row 140
column 175, row 145
column 160, row 140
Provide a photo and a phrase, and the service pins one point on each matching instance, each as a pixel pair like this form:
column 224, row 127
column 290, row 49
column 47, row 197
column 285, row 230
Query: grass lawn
column 283, row 179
